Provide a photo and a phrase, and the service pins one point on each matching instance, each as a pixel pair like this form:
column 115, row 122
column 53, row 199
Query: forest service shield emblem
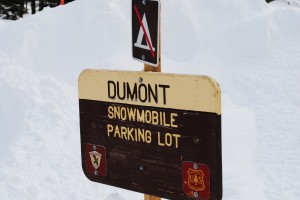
column 195, row 179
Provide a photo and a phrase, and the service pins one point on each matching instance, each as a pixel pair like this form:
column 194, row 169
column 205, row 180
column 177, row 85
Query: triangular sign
column 141, row 35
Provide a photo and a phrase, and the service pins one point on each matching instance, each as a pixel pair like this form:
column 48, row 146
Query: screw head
column 94, row 147
column 140, row 79
column 195, row 194
column 96, row 172
column 196, row 140
column 195, row 166
column 142, row 168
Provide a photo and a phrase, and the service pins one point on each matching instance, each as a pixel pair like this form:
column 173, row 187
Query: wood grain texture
column 150, row 197
column 162, row 166
column 149, row 68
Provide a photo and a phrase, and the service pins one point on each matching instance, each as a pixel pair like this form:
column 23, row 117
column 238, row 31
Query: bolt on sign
column 153, row 133
column 145, row 31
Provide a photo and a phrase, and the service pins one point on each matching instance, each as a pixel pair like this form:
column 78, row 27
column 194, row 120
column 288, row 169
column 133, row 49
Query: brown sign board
column 154, row 133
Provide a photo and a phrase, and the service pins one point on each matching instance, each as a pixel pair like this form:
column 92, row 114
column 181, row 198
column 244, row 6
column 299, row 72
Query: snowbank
column 250, row 47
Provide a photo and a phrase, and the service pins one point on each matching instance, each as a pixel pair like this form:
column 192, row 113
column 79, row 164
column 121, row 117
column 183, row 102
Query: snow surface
column 251, row 48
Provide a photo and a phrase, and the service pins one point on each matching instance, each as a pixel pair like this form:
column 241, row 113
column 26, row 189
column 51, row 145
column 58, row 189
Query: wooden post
column 149, row 68
column 149, row 197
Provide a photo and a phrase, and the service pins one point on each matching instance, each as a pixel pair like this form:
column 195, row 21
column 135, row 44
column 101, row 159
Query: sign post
column 149, row 197
column 149, row 68
column 153, row 133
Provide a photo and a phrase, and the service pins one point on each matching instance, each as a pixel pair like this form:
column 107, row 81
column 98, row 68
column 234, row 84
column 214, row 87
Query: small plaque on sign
column 95, row 159
column 196, row 180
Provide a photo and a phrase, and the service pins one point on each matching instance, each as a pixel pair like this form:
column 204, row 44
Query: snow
column 295, row 3
column 251, row 48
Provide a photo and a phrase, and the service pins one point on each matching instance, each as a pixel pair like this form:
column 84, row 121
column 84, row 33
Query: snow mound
column 250, row 47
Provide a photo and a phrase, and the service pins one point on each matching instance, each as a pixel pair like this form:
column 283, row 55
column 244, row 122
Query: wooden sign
column 145, row 31
column 154, row 133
